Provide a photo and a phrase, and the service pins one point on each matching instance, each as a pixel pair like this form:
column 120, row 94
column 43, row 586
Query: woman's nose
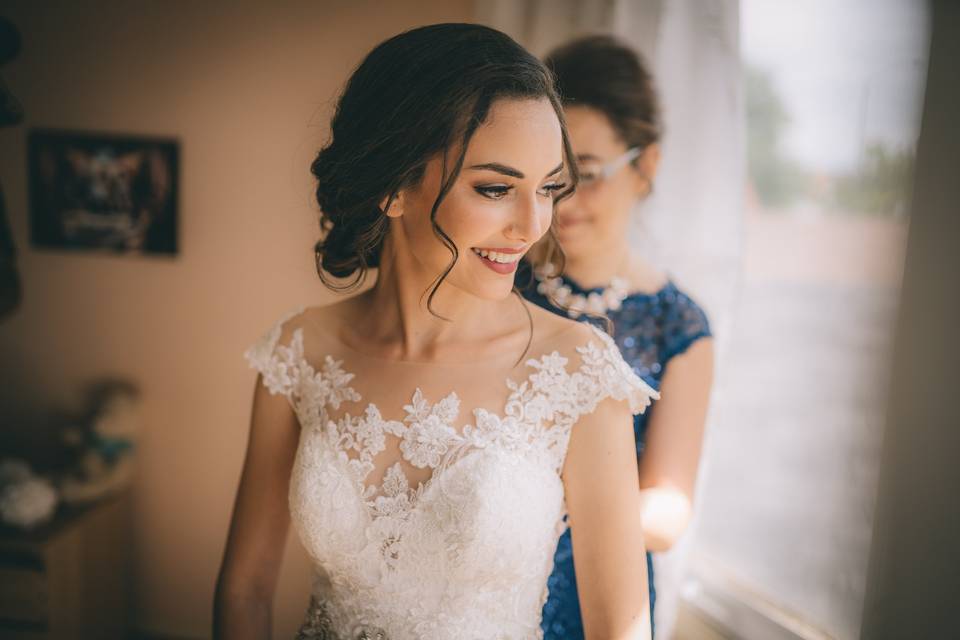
column 527, row 224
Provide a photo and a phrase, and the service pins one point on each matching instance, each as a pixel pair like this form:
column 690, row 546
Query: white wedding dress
column 421, row 526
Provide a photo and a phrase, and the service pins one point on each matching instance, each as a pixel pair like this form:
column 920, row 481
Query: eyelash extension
column 495, row 192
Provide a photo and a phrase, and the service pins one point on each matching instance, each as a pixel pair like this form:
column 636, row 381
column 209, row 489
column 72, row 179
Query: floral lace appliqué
column 467, row 552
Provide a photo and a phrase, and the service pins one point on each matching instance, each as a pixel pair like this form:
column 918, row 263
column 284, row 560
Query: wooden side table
column 69, row 579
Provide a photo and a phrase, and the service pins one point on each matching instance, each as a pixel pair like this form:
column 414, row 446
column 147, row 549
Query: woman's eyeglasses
column 590, row 176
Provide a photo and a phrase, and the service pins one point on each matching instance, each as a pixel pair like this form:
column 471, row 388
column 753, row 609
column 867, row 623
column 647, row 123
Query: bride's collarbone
column 333, row 330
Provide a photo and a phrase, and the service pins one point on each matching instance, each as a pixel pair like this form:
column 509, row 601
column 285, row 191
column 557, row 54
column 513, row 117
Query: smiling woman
column 422, row 521
column 504, row 259
column 382, row 158
column 500, row 203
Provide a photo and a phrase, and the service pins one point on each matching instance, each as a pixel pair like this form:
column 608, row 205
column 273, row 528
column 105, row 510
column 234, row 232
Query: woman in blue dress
column 614, row 125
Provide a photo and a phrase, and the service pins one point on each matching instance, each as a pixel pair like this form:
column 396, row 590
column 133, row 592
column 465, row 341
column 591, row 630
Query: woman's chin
column 574, row 247
column 573, row 238
column 487, row 287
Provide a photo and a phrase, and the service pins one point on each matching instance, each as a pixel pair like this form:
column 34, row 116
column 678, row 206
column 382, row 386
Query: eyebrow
column 509, row 171
column 589, row 157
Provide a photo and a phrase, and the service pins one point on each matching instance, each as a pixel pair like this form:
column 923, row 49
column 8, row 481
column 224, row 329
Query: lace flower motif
column 365, row 436
column 396, row 493
column 333, row 383
column 286, row 371
column 429, row 434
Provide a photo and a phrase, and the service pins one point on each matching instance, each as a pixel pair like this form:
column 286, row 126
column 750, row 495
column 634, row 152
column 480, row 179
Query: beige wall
column 247, row 89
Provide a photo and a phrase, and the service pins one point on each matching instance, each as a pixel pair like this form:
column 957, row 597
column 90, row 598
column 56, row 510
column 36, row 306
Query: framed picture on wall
column 103, row 192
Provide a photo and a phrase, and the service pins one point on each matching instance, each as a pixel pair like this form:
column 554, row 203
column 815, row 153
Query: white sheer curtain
column 692, row 224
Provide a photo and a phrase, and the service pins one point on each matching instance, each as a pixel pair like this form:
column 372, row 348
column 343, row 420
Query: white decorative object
column 27, row 503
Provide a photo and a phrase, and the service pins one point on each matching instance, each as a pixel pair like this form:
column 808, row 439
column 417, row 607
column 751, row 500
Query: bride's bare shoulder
column 559, row 333
column 328, row 319
column 327, row 312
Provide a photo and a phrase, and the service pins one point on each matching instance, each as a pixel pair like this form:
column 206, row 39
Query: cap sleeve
column 603, row 373
column 685, row 323
column 572, row 393
column 278, row 361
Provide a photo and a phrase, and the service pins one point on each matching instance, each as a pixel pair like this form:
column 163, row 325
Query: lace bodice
column 421, row 523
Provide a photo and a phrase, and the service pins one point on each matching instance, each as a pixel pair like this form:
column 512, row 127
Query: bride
column 432, row 437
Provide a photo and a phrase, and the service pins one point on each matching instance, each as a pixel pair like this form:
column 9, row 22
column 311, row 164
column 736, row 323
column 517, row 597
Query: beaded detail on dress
column 317, row 625
column 464, row 554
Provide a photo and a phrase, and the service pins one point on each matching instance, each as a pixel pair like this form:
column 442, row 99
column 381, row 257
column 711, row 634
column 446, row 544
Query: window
column 833, row 94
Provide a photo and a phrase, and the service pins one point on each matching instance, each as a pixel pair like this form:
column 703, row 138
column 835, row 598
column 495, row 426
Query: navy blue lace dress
column 650, row 329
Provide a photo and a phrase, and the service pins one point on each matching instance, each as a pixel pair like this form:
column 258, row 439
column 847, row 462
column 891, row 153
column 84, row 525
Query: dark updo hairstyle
column 603, row 73
column 414, row 96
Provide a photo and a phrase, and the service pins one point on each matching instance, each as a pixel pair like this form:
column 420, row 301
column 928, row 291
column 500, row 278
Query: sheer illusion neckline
column 430, row 435
column 345, row 350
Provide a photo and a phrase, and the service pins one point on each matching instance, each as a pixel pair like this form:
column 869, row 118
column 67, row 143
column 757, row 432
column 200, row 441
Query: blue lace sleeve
column 685, row 323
